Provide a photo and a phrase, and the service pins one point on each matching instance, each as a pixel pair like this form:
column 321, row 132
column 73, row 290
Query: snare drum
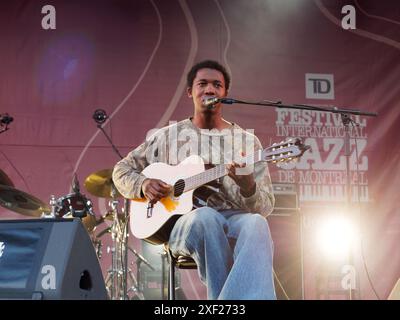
column 76, row 205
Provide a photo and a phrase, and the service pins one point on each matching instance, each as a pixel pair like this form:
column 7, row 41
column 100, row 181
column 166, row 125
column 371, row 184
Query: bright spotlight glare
column 336, row 237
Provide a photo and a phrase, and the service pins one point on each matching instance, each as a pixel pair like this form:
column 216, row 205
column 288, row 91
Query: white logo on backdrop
column 321, row 172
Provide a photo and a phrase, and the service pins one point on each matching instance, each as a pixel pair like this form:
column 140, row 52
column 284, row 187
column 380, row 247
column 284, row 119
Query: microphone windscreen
column 6, row 119
column 100, row 116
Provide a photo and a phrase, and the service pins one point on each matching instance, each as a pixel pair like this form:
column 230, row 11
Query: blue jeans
column 233, row 251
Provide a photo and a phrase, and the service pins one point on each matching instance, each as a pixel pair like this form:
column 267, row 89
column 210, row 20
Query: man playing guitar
column 223, row 226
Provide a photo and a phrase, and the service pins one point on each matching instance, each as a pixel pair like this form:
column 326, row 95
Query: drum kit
column 120, row 281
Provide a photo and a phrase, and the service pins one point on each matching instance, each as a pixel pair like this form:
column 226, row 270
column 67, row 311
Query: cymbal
column 5, row 180
column 21, row 202
column 100, row 184
column 109, row 216
column 103, row 232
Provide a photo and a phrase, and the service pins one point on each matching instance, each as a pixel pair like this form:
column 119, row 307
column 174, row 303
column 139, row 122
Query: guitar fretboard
column 214, row 173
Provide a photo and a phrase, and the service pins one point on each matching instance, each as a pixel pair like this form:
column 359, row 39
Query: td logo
column 319, row 86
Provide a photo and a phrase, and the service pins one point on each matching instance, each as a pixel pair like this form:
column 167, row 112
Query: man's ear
column 189, row 92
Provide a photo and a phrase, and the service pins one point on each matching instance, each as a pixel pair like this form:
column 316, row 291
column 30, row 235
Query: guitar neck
column 214, row 173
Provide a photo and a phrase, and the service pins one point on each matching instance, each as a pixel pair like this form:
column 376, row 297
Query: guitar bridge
column 150, row 210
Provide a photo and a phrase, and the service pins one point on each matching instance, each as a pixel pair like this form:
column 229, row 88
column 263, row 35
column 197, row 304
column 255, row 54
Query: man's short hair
column 208, row 64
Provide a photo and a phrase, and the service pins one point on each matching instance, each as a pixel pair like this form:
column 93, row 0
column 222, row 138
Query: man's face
column 207, row 83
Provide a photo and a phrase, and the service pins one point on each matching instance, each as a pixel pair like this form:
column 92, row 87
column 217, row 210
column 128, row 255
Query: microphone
column 6, row 119
column 210, row 102
column 100, row 116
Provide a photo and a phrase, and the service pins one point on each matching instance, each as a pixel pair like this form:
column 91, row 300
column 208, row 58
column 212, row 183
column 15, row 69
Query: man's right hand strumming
column 155, row 189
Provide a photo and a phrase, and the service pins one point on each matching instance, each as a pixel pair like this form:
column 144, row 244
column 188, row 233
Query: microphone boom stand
column 127, row 214
column 346, row 120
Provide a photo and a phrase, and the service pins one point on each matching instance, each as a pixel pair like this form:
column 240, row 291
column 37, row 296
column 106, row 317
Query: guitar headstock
column 285, row 151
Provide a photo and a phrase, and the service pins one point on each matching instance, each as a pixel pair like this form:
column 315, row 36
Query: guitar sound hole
column 179, row 187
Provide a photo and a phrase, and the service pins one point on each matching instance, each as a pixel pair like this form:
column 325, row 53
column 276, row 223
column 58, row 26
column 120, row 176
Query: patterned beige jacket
column 174, row 143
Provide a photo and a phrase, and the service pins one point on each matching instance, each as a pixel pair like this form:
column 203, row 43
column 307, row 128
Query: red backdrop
column 131, row 58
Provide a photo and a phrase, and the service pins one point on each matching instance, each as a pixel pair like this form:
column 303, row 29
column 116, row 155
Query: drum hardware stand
column 99, row 246
column 116, row 273
column 100, row 117
column 53, row 205
column 115, row 280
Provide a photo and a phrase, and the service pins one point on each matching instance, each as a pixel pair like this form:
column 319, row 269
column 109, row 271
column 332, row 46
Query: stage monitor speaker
column 48, row 259
column 395, row 293
column 286, row 198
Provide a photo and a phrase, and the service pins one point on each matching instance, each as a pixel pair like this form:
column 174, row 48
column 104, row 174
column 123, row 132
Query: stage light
column 336, row 237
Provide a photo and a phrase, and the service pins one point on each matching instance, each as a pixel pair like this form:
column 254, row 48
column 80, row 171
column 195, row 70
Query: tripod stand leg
column 108, row 285
column 134, row 287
